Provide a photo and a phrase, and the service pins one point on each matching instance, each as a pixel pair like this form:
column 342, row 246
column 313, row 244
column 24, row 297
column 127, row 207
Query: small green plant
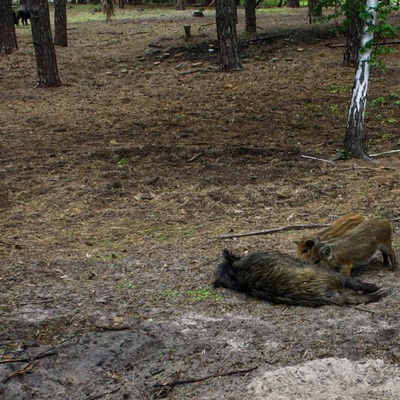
column 334, row 108
column 170, row 293
column 200, row 294
column 126, row 285
column 122, row 162
column 336, row 89
column 391, row 120
column 344, row 154
column 387, row 136
column 379, row 101
column 314, row 107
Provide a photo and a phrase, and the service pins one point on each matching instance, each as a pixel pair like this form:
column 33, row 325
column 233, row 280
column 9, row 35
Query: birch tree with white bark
column 355, row 141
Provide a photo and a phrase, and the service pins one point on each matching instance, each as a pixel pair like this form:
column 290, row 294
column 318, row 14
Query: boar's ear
column 310, row 243
column 317, row 241
column 325, row 252
column 296, row 242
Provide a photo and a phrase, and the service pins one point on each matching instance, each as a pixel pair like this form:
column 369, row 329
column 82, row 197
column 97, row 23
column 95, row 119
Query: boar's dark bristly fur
column 279, row 278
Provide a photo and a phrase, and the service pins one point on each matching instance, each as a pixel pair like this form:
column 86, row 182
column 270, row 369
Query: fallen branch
column 17, row 360
column 318, row 159
column 110, row 33
column 193, row 71
column 194, row 158
column 273, row 230
column 332, row 45
column 363, row 309
column 99, row 396
column 204, row 25
column 21, row 371
column 110, row 328
column 265, row 38
column 32, row 362
column 384, row 153
column 216, row 375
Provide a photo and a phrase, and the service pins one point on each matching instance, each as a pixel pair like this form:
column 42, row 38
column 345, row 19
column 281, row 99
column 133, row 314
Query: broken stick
column 216, row 375
column 273, row 230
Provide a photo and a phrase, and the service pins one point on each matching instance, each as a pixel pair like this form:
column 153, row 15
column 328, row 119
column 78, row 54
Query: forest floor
column 116, row 187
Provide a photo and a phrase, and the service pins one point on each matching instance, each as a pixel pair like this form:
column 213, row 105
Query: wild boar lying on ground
column 280, row 278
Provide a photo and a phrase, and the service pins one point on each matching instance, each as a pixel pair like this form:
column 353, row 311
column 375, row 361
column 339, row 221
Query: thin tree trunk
column 43, row 43
column 60, row 23
column 293, row 3
column 180, row 5
column 108, row 9
column 227, row 37
column 250, row 16
column 8, row 38
column 355, row 141
column 314, row 10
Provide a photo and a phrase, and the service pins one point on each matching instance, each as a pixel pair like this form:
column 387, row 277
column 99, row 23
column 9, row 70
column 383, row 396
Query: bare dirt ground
column 116, row 187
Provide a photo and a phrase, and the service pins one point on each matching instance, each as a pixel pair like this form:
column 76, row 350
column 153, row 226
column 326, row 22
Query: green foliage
column 126, row 285
column 337, row 89
column 352, row 9
column 345, row 154
column 334, row 108
column 378, row 101
column 200, row 294
column 170, row 293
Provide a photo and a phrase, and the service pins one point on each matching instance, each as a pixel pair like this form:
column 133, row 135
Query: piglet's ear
column 317, row 241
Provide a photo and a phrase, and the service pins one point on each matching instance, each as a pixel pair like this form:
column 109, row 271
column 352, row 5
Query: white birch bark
column 355, row 138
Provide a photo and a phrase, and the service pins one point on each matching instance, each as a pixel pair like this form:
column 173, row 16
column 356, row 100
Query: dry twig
column 216, row 375
column 99, row 396
column 273, row 230
column 363, row 309
column 110, row 328
column 318, row 159
column 32, row 362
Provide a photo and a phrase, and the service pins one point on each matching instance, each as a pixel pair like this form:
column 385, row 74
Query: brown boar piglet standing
column 339, row 228
column 357, row 247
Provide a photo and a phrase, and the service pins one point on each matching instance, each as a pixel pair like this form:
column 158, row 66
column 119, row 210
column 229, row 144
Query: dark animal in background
column 357, row 247
column 23, row 14
column 339, row 228
column 282, row 279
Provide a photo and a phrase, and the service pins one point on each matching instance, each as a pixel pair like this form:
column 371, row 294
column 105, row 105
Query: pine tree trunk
column 293, row 3
column 45, row 53
column 314, row 10
column 60, row 23
column 180, row 5
column 250, row 16
column 227, row 38
column 355, row 141
column 8, row 38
